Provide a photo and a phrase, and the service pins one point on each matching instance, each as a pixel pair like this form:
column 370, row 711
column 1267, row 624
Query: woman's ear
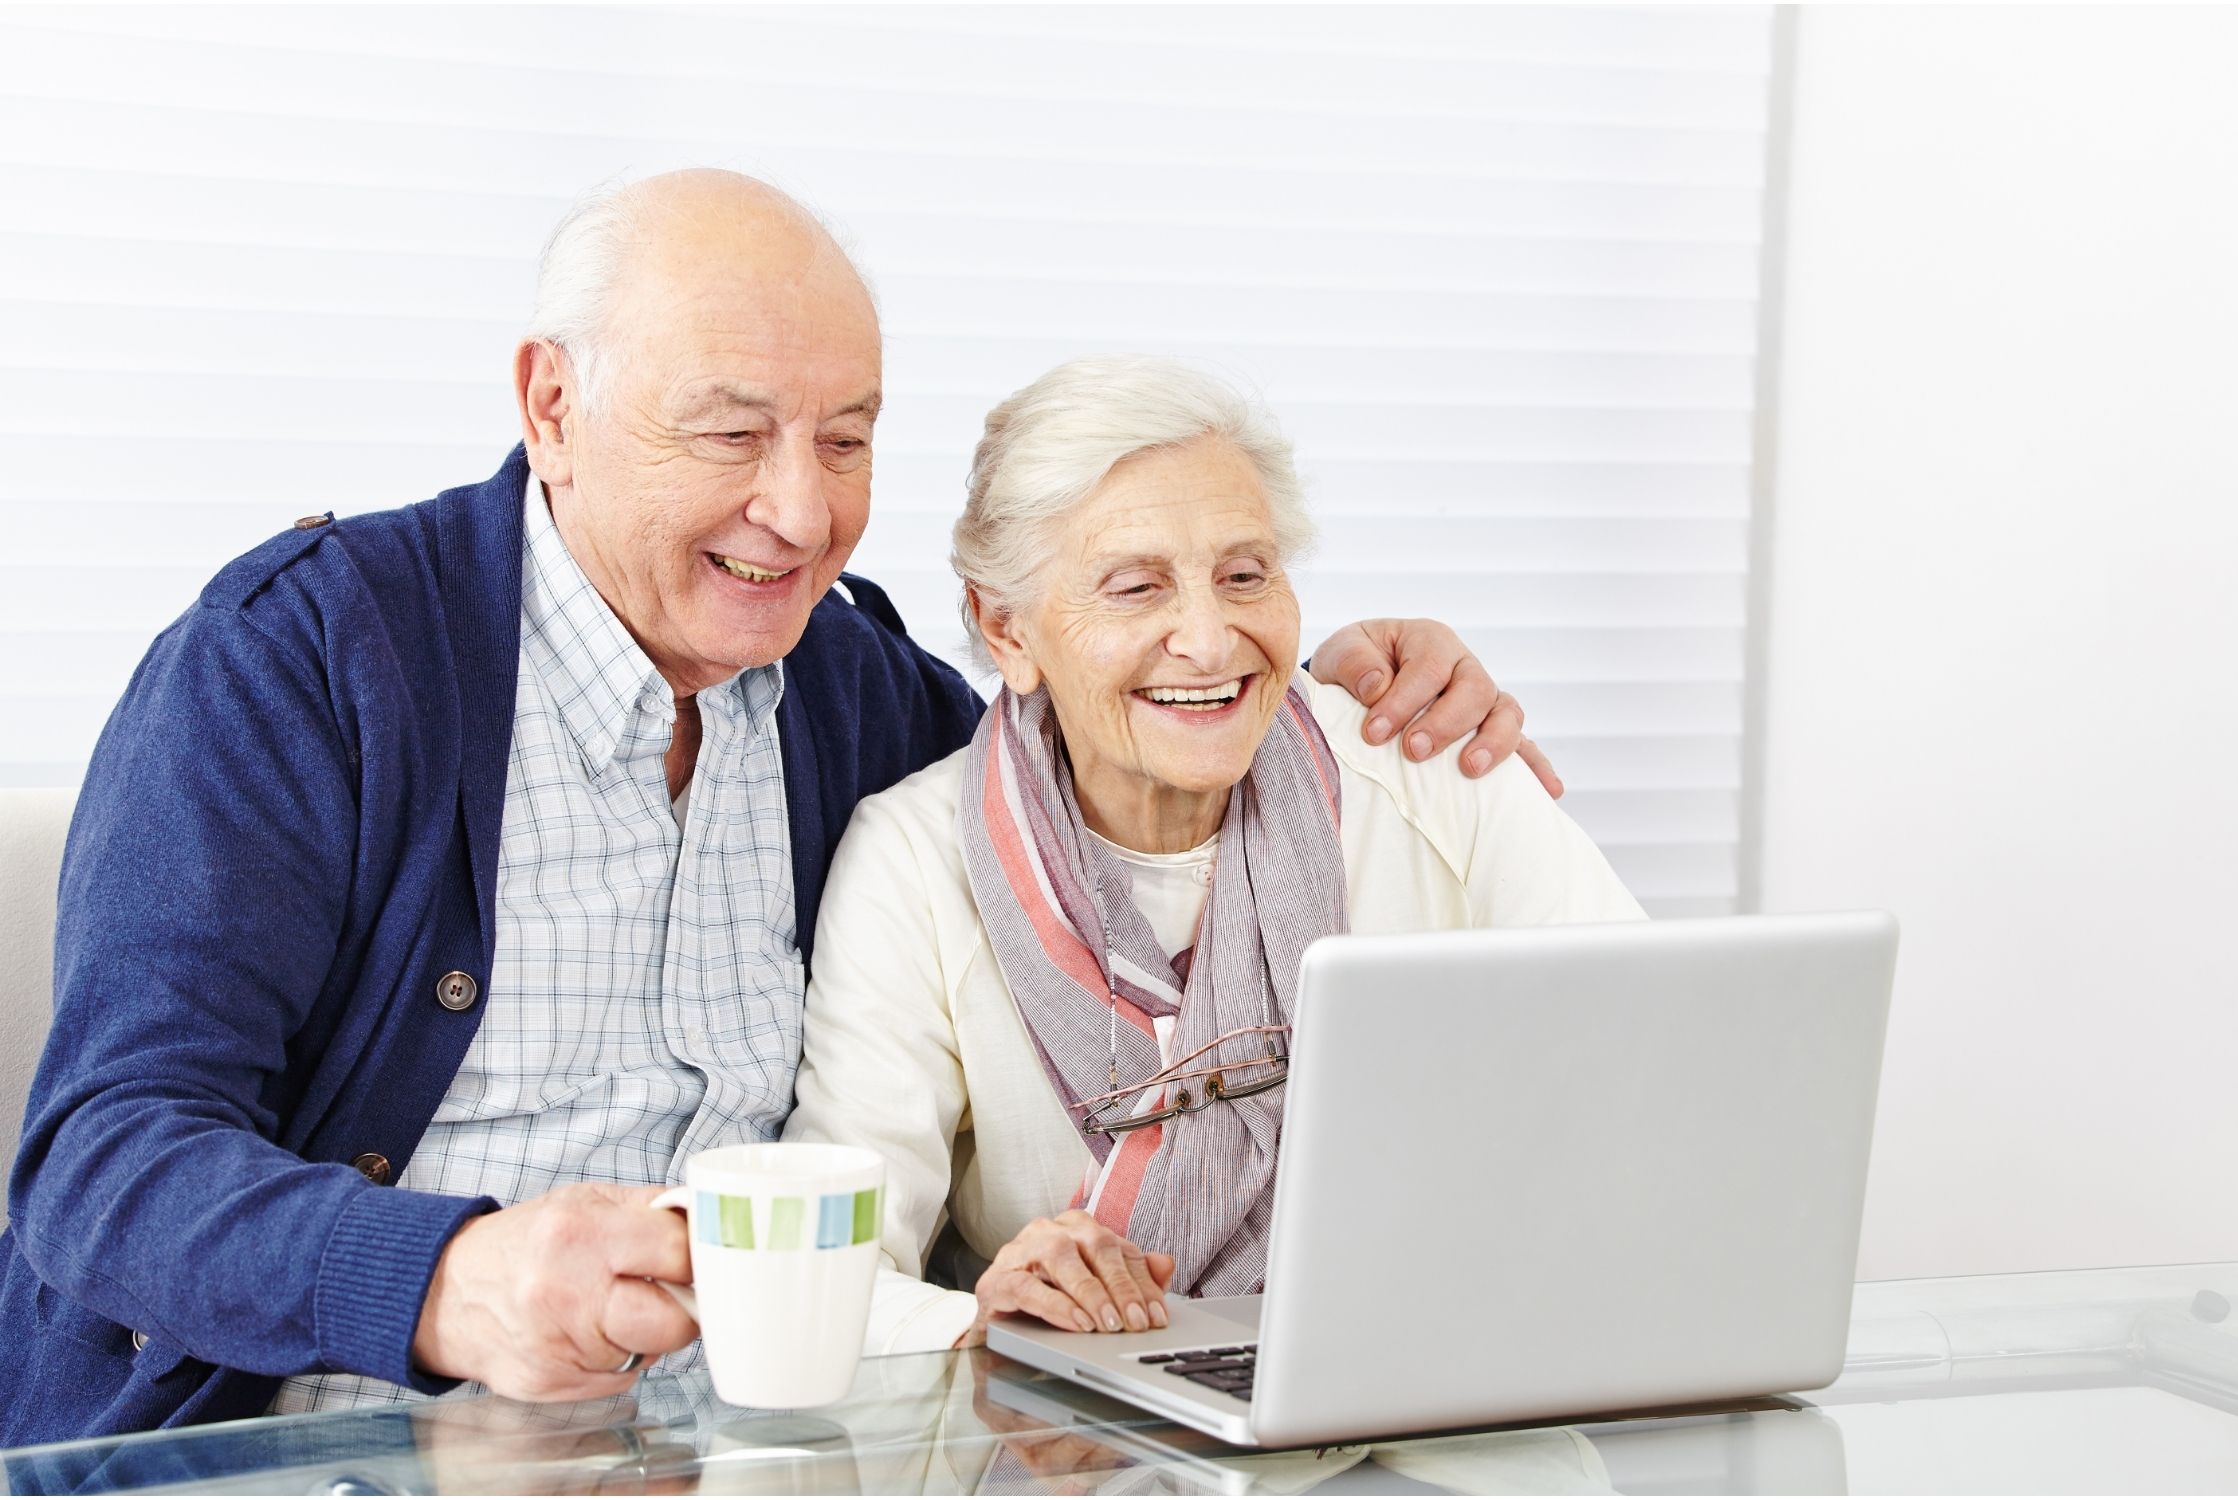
column 999, row 629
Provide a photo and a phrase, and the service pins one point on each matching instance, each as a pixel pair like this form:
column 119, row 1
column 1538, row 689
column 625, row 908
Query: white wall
column 2004, row 612
column 1496, row 268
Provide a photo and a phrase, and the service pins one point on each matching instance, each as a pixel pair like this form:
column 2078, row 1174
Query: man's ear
column 999, row 629
column 544, row 388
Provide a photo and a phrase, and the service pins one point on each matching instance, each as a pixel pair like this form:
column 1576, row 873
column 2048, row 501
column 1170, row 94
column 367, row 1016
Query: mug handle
column 678, row 1198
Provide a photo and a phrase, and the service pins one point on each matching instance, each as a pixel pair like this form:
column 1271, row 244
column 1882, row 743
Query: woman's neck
column 1148, row 817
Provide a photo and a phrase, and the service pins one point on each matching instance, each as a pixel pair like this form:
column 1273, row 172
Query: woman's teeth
column 1197, row 698
column 747, row 571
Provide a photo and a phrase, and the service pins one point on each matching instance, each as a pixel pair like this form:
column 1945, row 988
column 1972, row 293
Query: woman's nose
column 1200, row 628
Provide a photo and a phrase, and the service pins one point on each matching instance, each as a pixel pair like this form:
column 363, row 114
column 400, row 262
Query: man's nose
column 789, row 497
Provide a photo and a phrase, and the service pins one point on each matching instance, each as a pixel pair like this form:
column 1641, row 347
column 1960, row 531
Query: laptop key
column 1159, row 1359
column 1195, row 1367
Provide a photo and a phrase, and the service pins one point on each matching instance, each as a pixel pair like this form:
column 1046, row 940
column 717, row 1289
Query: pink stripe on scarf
column 1122, row 1177
column 1064, row 947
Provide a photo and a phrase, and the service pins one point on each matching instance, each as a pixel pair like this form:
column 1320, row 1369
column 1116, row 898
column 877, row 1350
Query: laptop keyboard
column 1228, row 1368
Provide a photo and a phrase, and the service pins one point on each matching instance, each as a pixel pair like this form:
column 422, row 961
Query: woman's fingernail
column 1418, row 746
column 1479, row 762
column 1158, row 1313
column 1111, row 1320
column 1086, row 1323
column 1371, row 685
column 1137, row 1320
column 1377, row 729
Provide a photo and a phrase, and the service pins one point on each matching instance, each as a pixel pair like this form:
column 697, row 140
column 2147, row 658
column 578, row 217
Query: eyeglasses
column 1270, row 1072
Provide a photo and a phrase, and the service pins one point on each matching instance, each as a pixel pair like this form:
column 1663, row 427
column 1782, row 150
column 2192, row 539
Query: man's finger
column 1418, row 683
column 1470, row 703
column 642, row 1240
column 524, row 1381
column 1496, row 740
column 1353, row 661
column 642, row 1319
column 1540, row 766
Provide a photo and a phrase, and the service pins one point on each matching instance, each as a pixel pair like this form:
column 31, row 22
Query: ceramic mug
column 784, row 1243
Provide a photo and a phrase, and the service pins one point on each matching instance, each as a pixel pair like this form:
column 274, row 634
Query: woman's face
column 1164, row 630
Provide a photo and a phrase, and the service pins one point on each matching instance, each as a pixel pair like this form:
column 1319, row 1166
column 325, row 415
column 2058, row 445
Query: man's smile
column 748, row 572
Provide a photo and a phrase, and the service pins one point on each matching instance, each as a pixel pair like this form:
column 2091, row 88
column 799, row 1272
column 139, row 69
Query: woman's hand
column 1071, row 1272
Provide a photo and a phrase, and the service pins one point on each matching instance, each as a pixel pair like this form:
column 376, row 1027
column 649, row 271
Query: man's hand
column 1073, row 1273
column 545, row 1300
column 1416, row 675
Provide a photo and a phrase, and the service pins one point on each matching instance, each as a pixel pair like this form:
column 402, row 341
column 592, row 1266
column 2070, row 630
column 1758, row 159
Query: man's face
column 721, row 485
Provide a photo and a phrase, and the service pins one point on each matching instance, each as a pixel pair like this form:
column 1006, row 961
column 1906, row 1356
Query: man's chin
column 724, row 654
column 746, row 650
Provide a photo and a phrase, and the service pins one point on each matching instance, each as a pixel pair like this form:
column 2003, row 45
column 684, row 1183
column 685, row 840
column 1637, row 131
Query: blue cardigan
column 288, row 834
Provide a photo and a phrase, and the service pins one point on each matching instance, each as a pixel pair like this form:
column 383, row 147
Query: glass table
column 2054, row 1382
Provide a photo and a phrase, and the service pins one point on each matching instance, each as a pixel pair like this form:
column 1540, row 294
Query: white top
column 915, row 1048
column 1170, row 890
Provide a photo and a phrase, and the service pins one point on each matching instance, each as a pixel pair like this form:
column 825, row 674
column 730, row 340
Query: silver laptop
column 1539, row 1173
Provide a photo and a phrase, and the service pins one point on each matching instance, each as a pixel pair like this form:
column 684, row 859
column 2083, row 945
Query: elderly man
column 448, row 874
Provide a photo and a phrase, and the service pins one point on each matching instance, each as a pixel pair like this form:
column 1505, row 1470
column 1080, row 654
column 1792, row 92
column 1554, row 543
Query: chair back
column 33, row 824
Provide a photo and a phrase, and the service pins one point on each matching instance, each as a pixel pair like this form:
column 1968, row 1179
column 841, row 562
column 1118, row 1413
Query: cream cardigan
column 914, row 1048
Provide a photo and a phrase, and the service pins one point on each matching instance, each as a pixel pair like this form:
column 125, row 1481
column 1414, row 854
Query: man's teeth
column 1225, row 693
column 747, row 571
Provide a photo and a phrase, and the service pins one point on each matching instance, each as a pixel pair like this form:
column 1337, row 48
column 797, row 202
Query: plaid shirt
column 645, row 1002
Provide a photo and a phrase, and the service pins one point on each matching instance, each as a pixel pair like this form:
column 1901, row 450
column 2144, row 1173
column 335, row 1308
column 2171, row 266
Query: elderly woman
column 1035, row 953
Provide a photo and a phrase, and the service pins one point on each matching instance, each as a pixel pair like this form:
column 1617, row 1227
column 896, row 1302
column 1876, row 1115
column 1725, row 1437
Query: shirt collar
column 606, row 687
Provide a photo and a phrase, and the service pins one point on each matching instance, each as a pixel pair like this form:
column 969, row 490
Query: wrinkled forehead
column 793, row 316
column 780, row 366
column 1202, row 500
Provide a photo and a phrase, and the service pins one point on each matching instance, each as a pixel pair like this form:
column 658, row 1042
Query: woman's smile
column 1201, row 704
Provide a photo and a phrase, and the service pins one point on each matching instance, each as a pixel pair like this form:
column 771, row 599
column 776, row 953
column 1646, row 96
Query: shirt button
column 374, row 1165
column 139, row 1341
column 312, row 523
column 457, row 990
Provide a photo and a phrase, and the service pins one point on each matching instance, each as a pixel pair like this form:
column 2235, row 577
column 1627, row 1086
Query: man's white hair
column 1049, row 445
column 583, row 263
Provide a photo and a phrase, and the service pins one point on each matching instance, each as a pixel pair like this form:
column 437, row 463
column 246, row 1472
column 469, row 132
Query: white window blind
column 1496, row 269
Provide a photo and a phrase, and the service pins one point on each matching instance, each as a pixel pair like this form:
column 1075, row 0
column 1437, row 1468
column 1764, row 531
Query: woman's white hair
column 1049, row 445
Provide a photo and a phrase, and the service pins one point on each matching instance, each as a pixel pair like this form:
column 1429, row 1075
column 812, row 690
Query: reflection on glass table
column 2068, row 1382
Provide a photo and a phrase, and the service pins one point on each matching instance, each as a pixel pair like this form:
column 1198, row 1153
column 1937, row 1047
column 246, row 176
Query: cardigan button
column 457, row 990
column 374, row 1165
column 139, row 1341
column 312, row 523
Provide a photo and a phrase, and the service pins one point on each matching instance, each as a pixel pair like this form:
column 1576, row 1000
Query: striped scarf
column 1199, row 1187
